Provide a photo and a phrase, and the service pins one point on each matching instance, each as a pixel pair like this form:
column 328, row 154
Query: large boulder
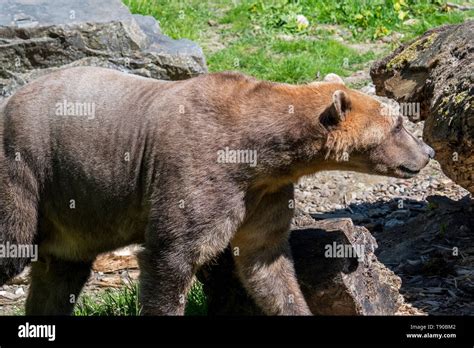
column 39, row 36
column 336, row 268
column 434, row 72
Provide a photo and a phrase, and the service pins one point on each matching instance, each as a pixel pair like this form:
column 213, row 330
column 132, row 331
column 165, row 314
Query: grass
column 263, row 38
column 289, row 61
column 124, row 302
column 365, row 19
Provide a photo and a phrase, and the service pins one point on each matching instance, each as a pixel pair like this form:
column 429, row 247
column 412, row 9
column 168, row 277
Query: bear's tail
column 18, row 211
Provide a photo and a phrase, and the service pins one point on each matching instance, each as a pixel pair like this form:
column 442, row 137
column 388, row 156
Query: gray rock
column 150, row 26
column 47, row 12
column 325, row 192
column 20, row 291
column 399, row 214
column 40, row 36
column 393, row 223
column 376, row 212
column 9, row 295
column 369, row 89
column 358, row 218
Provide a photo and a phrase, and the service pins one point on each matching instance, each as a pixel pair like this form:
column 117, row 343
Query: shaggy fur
column 144, row 169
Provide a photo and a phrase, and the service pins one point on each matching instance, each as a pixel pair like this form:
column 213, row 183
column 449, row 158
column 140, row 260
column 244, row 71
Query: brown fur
column 173, row 195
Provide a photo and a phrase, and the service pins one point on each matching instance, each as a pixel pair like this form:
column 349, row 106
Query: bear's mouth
column 407, row 170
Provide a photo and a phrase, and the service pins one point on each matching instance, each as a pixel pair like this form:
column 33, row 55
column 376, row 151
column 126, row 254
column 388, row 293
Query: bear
column 93, row 159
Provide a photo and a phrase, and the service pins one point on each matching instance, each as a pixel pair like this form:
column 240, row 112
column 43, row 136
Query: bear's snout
column 429, row 151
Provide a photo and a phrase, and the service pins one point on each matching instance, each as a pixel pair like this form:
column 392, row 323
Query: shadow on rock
column 335, row 266
column 430, row 245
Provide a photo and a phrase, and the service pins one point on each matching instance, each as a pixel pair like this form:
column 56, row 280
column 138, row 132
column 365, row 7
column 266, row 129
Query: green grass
column 370, row 19
column 124, row 302
column 292, row 62
column 178, row 19
column 262, row 38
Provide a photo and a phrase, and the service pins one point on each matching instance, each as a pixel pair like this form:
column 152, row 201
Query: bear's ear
column 337, row 110
column 341, row 103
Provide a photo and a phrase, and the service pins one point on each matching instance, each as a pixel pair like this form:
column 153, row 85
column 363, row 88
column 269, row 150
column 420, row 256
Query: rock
column 21, row 279
column 9, row 295
column 325, row 192
column 356, row 284
column 368, row 89
column 356, row 217
column 301, row 219
column 376, row 212
column 442, row 203
column 393, row 223
column 128, row 250
column 46, row 12
column 40, row 36
column 411, row 22
column 394, row 37
column 410, row 269
column 433, row 74
column 344, row 33
column 360, row 77
column 399, row 214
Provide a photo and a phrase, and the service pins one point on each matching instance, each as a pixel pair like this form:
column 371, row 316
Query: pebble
column 8, row 295
column 399, row 214
column 392, row 223
column 374, row 213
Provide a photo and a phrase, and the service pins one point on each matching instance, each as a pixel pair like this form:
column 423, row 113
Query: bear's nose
column 429, row 151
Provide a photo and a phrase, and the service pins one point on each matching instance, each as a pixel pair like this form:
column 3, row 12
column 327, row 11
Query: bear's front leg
column 179, row 240
column 263, row 257
column 166, row 273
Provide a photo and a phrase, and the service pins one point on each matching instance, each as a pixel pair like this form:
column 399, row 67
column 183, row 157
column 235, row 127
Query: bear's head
column 364, row 135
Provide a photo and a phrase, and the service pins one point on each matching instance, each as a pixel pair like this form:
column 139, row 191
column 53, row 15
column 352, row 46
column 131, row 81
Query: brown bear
column 93, row 159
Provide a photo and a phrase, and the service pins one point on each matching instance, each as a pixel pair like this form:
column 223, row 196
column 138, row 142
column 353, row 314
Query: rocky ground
column 423, row 227
column 417, row 223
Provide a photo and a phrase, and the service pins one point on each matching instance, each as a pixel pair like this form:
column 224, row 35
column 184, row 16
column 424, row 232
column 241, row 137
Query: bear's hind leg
column 55, row 286
column 18, row 218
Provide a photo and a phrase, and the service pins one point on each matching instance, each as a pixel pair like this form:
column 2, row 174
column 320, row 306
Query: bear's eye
column 399, row 125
